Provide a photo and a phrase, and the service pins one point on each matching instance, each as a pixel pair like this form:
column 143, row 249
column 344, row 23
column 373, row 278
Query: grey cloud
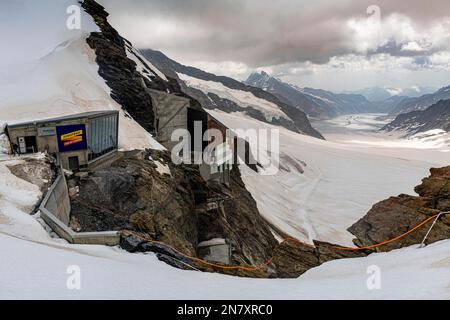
column 259, row 32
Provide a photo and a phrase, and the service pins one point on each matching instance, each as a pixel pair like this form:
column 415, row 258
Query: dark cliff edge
column 128, row 86
column 396, row 215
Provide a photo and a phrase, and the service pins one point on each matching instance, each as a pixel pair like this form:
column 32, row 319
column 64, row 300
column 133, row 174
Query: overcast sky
column 345, row 44
column 330, row 44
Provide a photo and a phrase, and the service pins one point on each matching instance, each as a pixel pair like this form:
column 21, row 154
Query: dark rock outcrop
column 133, row 195
column 396, row 215
column 435, row 117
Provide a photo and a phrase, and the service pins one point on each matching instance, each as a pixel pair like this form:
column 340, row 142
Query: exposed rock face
column 396, row 215
column 106, row 200
column 128, row 86
column 40, row 172
column 179, row 209
column 292, row 259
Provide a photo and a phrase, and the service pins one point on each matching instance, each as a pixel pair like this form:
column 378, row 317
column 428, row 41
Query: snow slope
column 242, row 98
column 17, row 199
column 340, row 183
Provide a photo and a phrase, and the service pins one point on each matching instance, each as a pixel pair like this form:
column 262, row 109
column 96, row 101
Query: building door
column 74, row 163
column 31, row 144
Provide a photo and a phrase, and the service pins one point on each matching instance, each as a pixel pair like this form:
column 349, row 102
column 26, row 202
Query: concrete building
column 76, row 140
column 176, row 112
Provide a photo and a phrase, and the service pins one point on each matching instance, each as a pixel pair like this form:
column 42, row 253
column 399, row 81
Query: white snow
column 4, row 141
column 162, row 168
column 110, row 273
column 212, row 242
column 340, row 183
column 243, row 98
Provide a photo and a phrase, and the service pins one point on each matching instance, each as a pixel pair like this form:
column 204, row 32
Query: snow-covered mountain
column 316, row 103
column 434, row 118
column 379, row 94
column 290, row 94
column 227, row 94
column 422, row 102
column 342, row 103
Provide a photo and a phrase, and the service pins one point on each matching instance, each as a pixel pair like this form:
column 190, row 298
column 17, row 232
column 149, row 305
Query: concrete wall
column 81, row 154
column 58, row 200
column 55, row 211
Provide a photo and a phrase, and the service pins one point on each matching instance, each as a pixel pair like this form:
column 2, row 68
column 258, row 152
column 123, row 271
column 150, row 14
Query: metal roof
column 84, row 115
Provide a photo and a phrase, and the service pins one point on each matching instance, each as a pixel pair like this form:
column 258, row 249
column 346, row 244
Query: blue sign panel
column 71, row 138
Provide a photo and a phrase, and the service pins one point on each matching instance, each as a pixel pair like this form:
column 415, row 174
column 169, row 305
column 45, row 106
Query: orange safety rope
column 290, row 239
column 390, row 240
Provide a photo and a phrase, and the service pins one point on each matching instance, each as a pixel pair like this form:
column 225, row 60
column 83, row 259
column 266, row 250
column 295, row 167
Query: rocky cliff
column 396, row 215
column 435, row 117
column 125, row 72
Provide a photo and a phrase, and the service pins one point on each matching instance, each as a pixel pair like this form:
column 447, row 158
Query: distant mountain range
column 422, row 102
column 229, row 95
column 378, row 94
column 421, row 114
column 414, row 111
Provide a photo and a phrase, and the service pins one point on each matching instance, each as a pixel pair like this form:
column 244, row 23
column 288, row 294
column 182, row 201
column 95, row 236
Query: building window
column 103, row 136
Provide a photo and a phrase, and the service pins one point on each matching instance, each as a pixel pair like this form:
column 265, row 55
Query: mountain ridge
column 296, row 120
column 317, row 103
column 434, row 117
